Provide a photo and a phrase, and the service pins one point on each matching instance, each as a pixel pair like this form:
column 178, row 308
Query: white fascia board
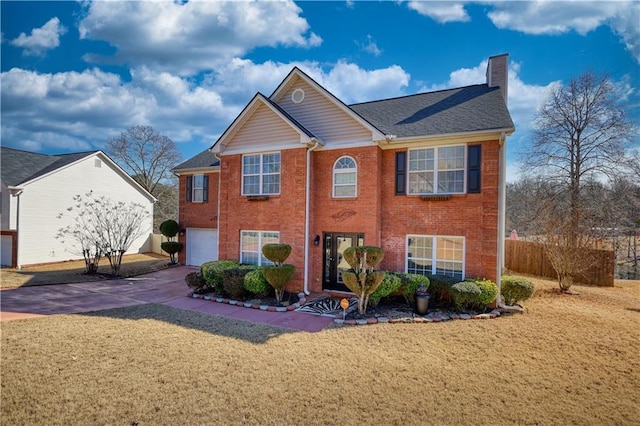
column 197, row 170
column 445, row 139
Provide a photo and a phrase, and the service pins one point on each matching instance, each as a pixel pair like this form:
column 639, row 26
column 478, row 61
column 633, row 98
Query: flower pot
column 422, row 303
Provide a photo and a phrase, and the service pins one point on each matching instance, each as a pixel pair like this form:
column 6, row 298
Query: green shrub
column 233, row 280
column 489, row 292
column 390, row 283
column 212, row 272
column 465, row 294
column 277, row 253
column 169, row 228
column 515, row 289
column 256, row 283
column 410, row 284
column 440, row 289
column 278, row 277
column 196, row 283
column 354, row 256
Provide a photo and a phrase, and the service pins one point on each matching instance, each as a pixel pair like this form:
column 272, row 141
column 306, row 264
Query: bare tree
column 581, row 133
column 103, row 227
column 149, row 157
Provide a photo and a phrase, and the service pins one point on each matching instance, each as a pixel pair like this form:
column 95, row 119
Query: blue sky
column 75, row 74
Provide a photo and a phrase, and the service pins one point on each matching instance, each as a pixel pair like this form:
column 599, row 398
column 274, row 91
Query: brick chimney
column 497, row 73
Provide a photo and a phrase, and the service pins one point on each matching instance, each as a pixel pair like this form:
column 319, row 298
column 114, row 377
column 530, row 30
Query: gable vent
column 97, row 163
column 297, row 96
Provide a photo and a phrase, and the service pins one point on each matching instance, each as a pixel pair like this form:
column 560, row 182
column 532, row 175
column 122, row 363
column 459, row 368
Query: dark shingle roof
column 17, row 166
column 460, row 110
column 203, row 160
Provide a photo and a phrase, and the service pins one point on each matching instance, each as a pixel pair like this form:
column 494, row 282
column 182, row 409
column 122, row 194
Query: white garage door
column 202, row 246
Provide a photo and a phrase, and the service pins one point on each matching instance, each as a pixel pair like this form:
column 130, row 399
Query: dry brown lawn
column 73, row 271
column 567, row 360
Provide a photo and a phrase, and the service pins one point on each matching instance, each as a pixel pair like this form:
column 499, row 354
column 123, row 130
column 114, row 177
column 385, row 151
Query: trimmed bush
column 354, row 256
column 212, row 272
column 410, row 284
column 440, row 289
column 390, row 283
column 169, row 228
column 465, row 294
column 196, row 283
column 233, row 281
column 278, row 277
column 489, row 292
column 277, row 253
column 256, row 283
column 516, row 289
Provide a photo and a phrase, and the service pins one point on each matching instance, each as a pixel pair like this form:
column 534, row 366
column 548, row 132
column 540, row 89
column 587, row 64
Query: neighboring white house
column 36, row 188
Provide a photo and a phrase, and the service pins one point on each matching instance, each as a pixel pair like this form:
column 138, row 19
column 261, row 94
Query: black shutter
column 401, row 172
column 474, row 158
column 205, row 188
column 189, row 188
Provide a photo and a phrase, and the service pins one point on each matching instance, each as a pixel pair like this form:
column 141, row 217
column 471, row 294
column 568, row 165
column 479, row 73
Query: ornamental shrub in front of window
column 212, row 272
column 390, row 283
column 465, row 295
column 257, row 284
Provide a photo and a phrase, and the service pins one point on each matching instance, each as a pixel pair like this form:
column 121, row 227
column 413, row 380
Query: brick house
column 422, row 176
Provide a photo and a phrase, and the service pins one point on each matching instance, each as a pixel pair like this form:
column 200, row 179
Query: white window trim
column 435, row 170
column 261, row 262
column 261, row 174
column 434, row 249
column 194, row 188
column 354, row 170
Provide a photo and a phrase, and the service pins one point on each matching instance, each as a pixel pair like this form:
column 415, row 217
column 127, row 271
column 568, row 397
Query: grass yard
column 567, row 360
column 73, row 271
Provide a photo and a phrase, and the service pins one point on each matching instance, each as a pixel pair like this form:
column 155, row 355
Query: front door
column 334, row 245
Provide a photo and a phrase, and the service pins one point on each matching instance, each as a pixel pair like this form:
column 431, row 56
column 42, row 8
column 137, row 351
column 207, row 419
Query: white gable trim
column 104, row 158
column 258, row 100
column 296, row 72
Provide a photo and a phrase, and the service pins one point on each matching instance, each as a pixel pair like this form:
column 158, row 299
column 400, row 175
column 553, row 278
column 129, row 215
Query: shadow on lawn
column 221, row 326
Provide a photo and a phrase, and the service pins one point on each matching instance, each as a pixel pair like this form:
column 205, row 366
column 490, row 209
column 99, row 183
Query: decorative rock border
column 429, row 318
column 240, row 303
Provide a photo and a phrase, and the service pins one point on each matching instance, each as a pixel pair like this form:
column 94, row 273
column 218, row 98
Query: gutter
column 306, row 217
column 16, row 191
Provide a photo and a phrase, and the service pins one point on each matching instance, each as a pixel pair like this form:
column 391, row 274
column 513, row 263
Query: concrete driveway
column 165, row 287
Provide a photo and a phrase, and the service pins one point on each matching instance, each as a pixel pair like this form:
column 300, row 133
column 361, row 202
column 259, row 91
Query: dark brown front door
column 334, row 245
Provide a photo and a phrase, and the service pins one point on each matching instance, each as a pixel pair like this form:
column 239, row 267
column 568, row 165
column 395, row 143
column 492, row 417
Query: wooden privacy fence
column 530, row 258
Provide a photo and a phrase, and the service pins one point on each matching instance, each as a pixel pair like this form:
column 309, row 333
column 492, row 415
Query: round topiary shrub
column 277, row 253
column 465, row 294
column 171, row 247
column 354, row 255
column 256, row 283
column 169, row 228
column 516, row 289
column 212, row 272
column 390, row 283
column 488, row 292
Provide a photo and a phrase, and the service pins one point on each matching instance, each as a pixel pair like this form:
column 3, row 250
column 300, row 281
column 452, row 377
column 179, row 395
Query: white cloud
column 41, row 39
column 442, row 12
column 558, row 17
column 186, row 38
column 370, row 46
column 90, row 107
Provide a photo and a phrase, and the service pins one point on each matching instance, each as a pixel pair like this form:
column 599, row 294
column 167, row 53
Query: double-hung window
column 434, row 254
column 197, row 189
column 251, row 243
column 345, row 176
column 261, row 174
column 438, row 170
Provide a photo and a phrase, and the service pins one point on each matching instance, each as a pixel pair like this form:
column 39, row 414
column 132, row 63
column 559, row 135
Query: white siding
column 264, row 127
column 322, row 117
column 43, row 199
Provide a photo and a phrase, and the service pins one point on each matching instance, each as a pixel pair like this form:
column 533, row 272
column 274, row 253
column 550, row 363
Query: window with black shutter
column 189, row 188
column 205, row 188
column 474, row 154
column 401, row 172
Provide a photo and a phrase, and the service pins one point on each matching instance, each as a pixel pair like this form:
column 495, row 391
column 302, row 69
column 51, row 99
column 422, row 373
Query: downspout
column 502, row 197
column 217, row 155
column 306, row 217
column 16, row 192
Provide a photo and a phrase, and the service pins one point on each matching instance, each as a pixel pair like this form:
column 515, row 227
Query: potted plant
column 422, row 300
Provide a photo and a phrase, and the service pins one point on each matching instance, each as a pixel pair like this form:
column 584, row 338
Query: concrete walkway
column 166, row 287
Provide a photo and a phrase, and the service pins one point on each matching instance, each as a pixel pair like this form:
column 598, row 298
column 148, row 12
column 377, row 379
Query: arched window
column 345, row 177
